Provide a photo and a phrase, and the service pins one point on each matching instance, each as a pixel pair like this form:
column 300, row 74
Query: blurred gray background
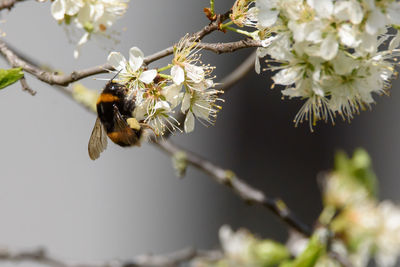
column 129, row 201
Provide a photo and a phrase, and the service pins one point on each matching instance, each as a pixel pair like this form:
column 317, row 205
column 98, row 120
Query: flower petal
column 148, row 76
column 189, row 122
column 186, row 102
column 393, row 12
column 266, row 16
column 136, row 58
column 324, row 8
column 349, row 10
column 195, row 73
column 58, row 9
column 162, row 105
column 329, row 47
column 81, row 42
column 348, row 35
column 117, row 60
column 178, row 75
column 72, row 7
column 376, row 21
column 172, row 94
column 286, row 76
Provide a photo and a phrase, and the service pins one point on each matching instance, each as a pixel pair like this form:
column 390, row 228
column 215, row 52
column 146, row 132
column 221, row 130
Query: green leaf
column 10, row 76
column 269, row 253
column 358, row 168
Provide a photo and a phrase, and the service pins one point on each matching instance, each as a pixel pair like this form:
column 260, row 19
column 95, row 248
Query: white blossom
column 94, row 17
column 331, row 53
column 199, row 100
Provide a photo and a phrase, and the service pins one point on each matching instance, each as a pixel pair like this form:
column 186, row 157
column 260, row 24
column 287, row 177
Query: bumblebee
column 114, row 120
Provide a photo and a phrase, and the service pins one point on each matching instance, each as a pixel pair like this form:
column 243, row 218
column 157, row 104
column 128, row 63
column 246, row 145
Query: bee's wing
column 97, row 141
column 126, row 135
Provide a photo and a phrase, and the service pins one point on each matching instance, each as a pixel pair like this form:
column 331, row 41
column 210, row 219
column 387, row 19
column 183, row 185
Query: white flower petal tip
column 189, row 122
column 136, row 58
column 185, row 103
column 116, row 60
column 178, row 75
column 148, row 76
column 58, row 9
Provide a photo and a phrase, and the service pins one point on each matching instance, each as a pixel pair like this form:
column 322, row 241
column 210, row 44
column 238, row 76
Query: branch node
column 209, row 14
column 26, row 87
column 74, row 76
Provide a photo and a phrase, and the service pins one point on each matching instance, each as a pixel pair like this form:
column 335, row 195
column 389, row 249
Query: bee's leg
column 146, row 126
column 129, row 106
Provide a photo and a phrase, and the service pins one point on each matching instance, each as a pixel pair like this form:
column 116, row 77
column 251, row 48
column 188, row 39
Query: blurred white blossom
column 94, row 17
column 368, row 228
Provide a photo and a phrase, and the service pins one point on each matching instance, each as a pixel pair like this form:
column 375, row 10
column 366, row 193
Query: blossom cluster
column 332, row 53
column 353, row 226
column 242, row 248
column 366, row 226
column 93, row 16
column 189, row 85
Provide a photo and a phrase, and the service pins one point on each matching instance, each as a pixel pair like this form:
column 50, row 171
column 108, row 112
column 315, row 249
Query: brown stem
column 8, row 4
column 173, row 259
column 59, row 79
column 246, row 192
column 220, row 48
column 25, row 86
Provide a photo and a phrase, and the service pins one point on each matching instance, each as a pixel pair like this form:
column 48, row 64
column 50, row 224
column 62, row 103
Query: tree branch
column 46, row 76
column 64, row 80
column 54, row 78
column 26, row 87
column 220, row 48
column 246, row 192
column 173, row 259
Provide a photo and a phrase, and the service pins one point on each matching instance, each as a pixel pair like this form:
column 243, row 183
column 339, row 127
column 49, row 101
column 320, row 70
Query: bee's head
column 113, row 86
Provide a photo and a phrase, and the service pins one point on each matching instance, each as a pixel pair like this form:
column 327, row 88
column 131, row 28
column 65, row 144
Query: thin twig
column 246, row 192
column 173, row 259
column 64, row 80
column 26, row 87
column 230, row 47
column 45, row 76
column 8, row 4
column 238, row 73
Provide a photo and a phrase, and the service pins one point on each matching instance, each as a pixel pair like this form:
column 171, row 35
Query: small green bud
column 269, row 253
column 179, row 161
column 67, row 19
column 314, row 250
column 88, row 26
column 230, row 175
